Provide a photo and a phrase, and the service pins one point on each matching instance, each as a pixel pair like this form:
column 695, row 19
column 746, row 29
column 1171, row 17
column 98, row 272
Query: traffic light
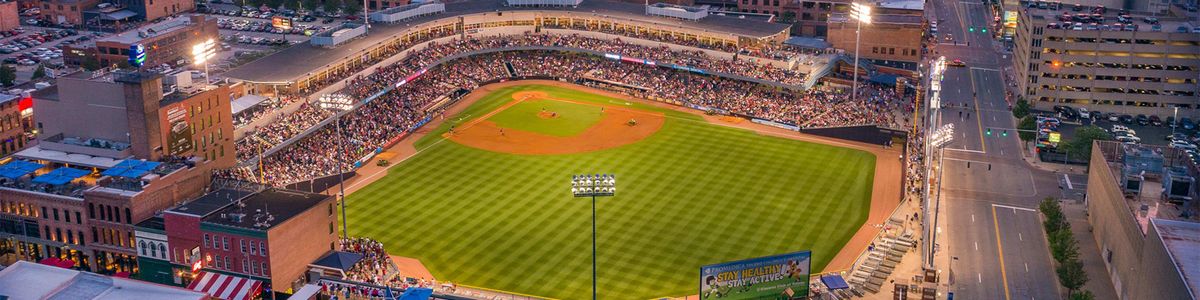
column 989, row 132
column 984, row 30
column 1004, row 133
column 971, row 29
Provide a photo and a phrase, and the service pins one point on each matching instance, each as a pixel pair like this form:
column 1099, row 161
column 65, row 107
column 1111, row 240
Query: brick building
column 101, row 166
column 809, row 17
column 10, row 18
column 892, row 42
column 266, row 235
column 12, row 124
column 166, row 42
column 66, row 12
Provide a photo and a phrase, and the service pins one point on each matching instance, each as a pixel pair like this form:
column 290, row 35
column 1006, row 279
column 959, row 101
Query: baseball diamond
column 488, row 204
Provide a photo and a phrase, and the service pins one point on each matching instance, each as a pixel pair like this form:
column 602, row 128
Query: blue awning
column 131, row 168
column 61, row 176
column 834, row 282
column 17, row 168
column 416, row 294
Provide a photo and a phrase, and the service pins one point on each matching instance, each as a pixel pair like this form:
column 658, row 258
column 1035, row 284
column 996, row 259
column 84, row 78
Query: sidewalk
column 1089, row 252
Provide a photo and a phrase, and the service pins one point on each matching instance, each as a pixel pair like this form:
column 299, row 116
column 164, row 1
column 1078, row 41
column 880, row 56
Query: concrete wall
column 83, row 108
column 1117, row 234
column 1159, row 278
column 299, row 241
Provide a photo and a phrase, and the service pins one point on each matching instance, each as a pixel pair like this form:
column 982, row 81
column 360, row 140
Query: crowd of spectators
column 261, row 110
column 400, row 110
column 283, row 128
column 376, row 267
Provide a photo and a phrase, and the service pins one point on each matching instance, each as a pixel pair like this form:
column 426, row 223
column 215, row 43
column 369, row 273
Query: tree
column 310, row 5
column 1081, row 143
column 1055, row 220
column 1027, row 123
column 40, row 72
column 90, row 63
column 351, row 7
column 330, row 6
column 1063, row 246
column 1021, row 109
column 8, row 75
column 1071, row 275
column 1082, row 295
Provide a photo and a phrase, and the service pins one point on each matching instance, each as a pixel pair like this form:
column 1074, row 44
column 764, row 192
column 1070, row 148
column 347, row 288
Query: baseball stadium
column 456, row 131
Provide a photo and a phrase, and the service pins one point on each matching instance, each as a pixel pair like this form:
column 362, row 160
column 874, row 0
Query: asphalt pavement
column 987, row 224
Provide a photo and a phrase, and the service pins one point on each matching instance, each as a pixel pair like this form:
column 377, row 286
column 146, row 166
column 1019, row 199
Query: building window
column 91, row 210
column 70, row 237
column 254, row 265
column 78, row 218
column 128, row 216
column 243, row 244
column 262, row 250
column 225, row 243
column 227, row 265
column 219, row 262
column 253, row 248
column 142, row 246
column 245, row 266
column 95, row 236
column 67, row 216
column 81, row 238
column 44, row 214
column 162, row 248
column 206, row 241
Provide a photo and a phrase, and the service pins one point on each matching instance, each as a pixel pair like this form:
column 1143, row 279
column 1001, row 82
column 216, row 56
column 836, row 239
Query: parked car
column 1154, row 120
column 1114, row 117
column 1187, row 123
column 1142, row 120
column 1127, row 119
column 1128, row 139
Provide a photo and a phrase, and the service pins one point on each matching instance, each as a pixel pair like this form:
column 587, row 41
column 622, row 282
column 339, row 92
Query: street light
column 203, row 52
column 340, row 103
column 862, row 14
column 594, row 185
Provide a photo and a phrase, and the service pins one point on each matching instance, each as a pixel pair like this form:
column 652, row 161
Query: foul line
column 1003, row 271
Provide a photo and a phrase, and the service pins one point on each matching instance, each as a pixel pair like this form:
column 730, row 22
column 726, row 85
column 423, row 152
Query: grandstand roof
column 291, row 63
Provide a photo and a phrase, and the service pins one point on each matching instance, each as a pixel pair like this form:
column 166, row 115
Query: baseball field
column 486, row 200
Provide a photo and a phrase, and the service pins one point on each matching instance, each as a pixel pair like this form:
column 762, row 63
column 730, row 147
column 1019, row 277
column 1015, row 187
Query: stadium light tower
column 861, row 13
column 340, row 103
column 935, row 133
column 594, row 185
column 202, row 53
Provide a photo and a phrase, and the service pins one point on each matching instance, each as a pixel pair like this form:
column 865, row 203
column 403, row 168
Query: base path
column 885, row 194
column 613, row 130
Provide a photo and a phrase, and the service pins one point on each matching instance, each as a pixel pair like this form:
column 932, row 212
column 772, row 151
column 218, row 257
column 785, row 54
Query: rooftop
column 27, row 280
column 155, row 223
column 211, row 202
column 265, row 209
column 137, row 34
column 290, row 64
column 1181, row 240
column 902, row 4
column 1104, row 19
column 881, row 19
column 1157, row 165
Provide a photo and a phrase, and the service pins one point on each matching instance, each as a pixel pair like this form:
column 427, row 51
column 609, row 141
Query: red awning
column 225, row 286
column 65, row 263
column 121, row 274
column 52, row 261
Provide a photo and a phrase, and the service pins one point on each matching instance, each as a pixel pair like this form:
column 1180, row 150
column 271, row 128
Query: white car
column 1128, row 139
column 1123, row 129
column 1084, row 113
column 31, row 21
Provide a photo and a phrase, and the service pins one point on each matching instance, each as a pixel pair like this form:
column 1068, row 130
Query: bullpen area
column 487, row 202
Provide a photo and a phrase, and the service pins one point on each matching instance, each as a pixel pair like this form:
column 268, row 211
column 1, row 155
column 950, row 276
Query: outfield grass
column 692, row 194
column 572, row 118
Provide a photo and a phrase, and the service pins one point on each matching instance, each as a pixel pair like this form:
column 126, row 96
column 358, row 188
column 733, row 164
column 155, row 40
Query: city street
column 990, row 232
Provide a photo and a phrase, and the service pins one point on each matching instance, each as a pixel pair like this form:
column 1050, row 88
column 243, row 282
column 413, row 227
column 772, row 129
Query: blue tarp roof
column 416, row 294
column 339, row 260
column 17, row 168
column 131, row 168
column 60, row 176
column 834, row 282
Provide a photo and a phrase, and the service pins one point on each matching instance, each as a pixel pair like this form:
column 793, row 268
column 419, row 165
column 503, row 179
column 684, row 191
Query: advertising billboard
column 137, row 55
column 783, row 276
column 282, row 23
column 179, row 136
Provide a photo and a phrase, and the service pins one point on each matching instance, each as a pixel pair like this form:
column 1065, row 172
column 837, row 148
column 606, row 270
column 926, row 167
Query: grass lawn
column 692, row 194
column 572, row 118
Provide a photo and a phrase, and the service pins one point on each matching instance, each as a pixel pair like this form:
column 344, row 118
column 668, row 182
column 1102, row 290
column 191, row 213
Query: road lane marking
column 976, row 246
column 1068, row 178
column 1026, row 267
column 972, row 218
column 978, row 120
column 963, row 150
column 980, row 276
column 1015, row 207
column 985, row 69
column 1000, row 248
column 1019, row 237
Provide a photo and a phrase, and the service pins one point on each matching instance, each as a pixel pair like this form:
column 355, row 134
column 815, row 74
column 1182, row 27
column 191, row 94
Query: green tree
column 1027, row 123
column 1082, row 295
column 8, row 75
column 1021, row 109
column 1071, row 275
column 1081, row 144
column 330, row 6
column 351, row 7
column 90, row 63
column 1055, row 220
column 1063, row 246
column 39, row 73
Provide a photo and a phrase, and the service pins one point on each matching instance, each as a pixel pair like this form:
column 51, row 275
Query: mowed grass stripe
column 690, row 195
